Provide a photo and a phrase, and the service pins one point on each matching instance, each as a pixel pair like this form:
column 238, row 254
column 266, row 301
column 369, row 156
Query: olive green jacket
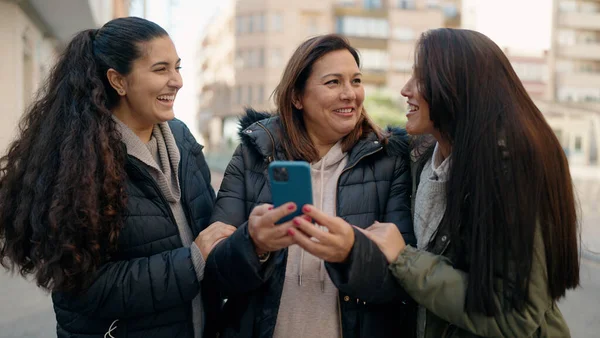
column 434, row 283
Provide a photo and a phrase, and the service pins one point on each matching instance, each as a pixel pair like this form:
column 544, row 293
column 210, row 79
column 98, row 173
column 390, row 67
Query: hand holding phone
column 265, row 235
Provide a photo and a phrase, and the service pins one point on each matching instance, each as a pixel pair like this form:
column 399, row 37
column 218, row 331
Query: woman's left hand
column 333, row 246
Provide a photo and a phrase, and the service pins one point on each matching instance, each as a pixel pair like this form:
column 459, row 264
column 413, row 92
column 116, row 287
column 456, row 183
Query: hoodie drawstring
column 111, row 328
column 322, row 262
column 300, row 267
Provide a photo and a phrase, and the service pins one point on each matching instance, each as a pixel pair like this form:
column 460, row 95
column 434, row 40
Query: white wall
column 26, row 56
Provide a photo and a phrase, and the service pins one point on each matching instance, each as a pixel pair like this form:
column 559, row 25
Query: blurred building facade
column 246, row 46
column 574, row 86
column 32, row 32
column 533, row 71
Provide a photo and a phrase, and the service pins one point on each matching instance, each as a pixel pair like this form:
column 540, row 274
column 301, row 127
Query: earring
column 121, row 91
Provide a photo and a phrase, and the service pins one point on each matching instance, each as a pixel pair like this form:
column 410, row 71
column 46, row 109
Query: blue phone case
column 290, row 182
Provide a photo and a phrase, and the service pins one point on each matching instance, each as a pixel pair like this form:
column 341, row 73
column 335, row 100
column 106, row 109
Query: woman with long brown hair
column 494, row 211
column 104, row 196
column 277, row 281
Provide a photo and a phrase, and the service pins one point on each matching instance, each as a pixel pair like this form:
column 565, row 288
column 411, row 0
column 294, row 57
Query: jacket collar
column 260, row 131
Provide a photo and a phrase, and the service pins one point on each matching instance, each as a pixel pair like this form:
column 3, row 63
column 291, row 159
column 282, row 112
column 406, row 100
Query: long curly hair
column 62, row 181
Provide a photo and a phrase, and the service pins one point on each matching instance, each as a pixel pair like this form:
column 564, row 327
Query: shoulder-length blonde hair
column 295, row 140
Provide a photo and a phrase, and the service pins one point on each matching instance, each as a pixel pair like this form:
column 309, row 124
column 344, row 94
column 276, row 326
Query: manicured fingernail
column 270, row 208
column 306, row 209
column 291, row 207
column 307, row 218
column 296, row 222
column 291, row 232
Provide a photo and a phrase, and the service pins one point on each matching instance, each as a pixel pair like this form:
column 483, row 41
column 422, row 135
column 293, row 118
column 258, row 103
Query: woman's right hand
column 211, row 236
column 387, row 237
column 266, row 236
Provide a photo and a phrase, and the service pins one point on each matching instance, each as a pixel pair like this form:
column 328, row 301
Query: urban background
column 233, row 53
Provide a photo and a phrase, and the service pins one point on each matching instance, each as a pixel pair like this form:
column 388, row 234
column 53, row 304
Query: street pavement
column 26, row 311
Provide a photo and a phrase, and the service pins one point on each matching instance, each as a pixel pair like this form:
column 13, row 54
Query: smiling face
column 419, row 121
column 148, row 92
column 332, row 99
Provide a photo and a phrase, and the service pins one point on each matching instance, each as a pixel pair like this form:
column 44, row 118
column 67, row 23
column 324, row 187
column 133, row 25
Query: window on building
column 250, row 22
column 578, row 143
column 558, row 134
column 339, row 25
column 589, row 7
column 406, row 4
column 276, row 58
column 432, row 3
column 567, row 6
column 240, row 23
column 252, row 58
column 528, row 71
column 404, row 34
column 261, row 58
column 28, row 71
column 260, row 96
column 239, row 59
column 450, row 11
column 564, row 66
column 579, row 94
column 250, row 98
column 238, row 94
column 586, row 68
column 313, row 25
column 403, row 66
column 346, row 2
column 260, row 23
column 277, row 22
column 372, row 4
column 363, row 27
column 374, row 59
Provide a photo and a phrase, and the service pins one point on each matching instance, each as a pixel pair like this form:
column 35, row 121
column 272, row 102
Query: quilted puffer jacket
column 374, row 186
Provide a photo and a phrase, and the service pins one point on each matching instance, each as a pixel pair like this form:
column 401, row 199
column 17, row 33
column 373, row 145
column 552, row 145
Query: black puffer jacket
column 149, row 285
column 375, row 185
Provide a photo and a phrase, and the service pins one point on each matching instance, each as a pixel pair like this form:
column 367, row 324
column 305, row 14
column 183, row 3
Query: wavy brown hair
column 296, row 142
column 62, row 181
column 509, row 180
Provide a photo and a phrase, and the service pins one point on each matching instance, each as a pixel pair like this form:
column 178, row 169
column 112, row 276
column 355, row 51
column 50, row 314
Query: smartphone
column 290, row 182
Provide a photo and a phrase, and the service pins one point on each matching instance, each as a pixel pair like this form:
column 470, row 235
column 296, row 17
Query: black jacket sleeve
column 365, row 274
column 125, row 289
column 233, row 267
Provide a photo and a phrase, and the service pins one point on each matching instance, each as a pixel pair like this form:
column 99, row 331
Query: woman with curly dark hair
column 103, row 195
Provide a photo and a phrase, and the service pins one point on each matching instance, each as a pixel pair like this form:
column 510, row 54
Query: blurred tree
column 385, row 109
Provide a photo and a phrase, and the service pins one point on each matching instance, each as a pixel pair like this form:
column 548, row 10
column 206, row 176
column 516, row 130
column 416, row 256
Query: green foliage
column 385, row 109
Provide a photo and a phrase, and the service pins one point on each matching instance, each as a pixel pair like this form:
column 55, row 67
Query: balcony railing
column 581, row 51
column 579, row 20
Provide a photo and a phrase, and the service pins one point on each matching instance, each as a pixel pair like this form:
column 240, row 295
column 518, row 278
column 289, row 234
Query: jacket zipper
column 272, row 157
column 160, row 194
column 337, row 186
column 185, row 206
column 165, row 202
column 340, row 315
